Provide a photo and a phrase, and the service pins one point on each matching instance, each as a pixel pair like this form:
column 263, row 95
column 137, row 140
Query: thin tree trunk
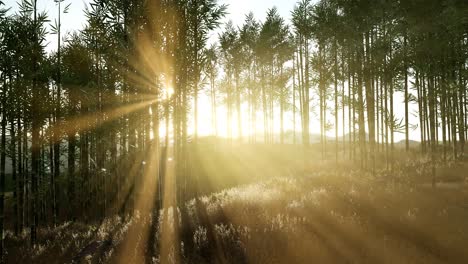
column 35, row 152
column 406, row 93
column 2, row 175
column 336, row 99
column 370, row 102
column 20, row 178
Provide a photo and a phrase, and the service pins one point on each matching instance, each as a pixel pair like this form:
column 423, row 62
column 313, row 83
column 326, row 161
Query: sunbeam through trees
column 162, row 131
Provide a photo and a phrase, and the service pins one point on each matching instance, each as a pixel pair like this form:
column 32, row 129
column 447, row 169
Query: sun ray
column 88, row 122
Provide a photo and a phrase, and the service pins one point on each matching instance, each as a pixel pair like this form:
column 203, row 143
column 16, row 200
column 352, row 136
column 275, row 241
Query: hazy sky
column 237, row 10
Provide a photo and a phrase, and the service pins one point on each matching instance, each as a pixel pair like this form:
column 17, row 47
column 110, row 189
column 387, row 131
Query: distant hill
column 314, row 138
column 402, row 144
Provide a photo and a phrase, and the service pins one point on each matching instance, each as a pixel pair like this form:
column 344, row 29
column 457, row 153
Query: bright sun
column 169, row 92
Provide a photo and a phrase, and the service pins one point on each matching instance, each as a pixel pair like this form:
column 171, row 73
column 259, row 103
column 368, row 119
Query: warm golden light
column 168, row 92
column 191, row 132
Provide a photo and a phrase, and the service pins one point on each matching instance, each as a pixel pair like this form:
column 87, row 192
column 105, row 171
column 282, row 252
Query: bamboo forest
column 222, row 131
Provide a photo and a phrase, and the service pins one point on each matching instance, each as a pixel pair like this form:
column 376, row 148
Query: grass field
column 293, row 212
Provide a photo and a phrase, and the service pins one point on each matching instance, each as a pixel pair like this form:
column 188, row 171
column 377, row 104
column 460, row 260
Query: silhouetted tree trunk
column 14, row 175
column 35, row 144
column 2, row 169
